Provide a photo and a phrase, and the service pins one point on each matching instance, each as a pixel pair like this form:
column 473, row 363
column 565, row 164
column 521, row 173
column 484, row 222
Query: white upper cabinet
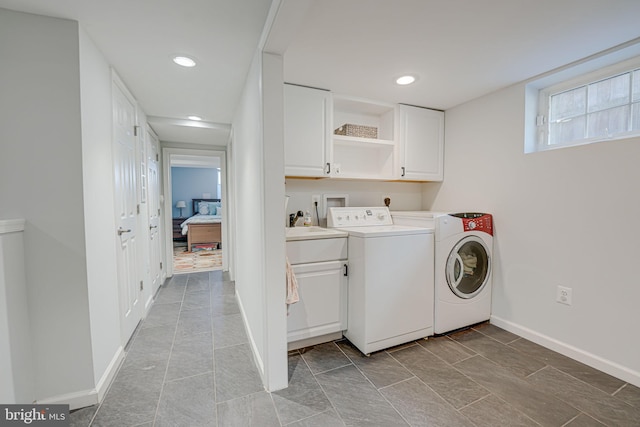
column 335, row 136
column 365, row 146
column 306, row 131
column 421, row 144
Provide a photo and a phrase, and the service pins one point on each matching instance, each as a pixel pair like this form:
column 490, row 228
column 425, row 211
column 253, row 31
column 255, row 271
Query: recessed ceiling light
column 184, row 61
column 405, row 80
column 196, row 118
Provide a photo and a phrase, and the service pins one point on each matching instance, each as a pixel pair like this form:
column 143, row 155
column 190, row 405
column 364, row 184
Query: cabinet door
column 306, row 117
column 321, row 310
column 421, row 144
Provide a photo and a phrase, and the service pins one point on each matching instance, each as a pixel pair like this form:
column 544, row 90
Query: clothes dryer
column 463, row 270
column 463, row 265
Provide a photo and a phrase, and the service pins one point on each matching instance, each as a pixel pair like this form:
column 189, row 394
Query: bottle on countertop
column 307, row 219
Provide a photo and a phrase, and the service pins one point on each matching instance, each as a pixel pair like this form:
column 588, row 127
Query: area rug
column 203, row 258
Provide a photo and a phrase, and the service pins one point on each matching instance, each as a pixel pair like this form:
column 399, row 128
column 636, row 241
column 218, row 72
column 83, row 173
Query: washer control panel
column 358, row 217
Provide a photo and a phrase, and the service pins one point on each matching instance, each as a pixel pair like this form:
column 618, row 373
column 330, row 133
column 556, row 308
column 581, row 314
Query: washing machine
column 463, row 265
column 390, row 297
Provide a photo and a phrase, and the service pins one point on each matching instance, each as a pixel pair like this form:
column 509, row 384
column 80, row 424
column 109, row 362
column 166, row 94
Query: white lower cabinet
column 321, row 313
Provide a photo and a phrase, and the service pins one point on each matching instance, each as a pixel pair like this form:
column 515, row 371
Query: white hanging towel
column 292, row 286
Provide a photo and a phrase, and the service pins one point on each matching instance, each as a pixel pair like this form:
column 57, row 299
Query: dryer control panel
column 358, row 217
column 476, row 222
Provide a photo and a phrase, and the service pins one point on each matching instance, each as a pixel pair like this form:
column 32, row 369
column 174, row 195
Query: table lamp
column 181, row 205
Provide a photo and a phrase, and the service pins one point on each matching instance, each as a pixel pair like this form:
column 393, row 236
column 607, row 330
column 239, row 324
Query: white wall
column 274, row 240
column 97, row 167
column 247, row 174
column 563, row 217
column 404, row 196
column 259, row 237
column 16, row 361
column 41, row 181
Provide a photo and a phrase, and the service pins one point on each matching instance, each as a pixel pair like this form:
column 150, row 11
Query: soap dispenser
column 307, row 219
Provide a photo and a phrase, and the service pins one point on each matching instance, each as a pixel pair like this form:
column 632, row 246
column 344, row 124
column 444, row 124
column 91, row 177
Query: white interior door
column 153, row 200
column 124, row 158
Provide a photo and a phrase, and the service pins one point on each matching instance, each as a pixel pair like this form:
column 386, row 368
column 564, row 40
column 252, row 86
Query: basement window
column 599, row 106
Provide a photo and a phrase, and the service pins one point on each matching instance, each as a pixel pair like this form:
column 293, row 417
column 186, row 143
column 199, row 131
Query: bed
column 205, row 227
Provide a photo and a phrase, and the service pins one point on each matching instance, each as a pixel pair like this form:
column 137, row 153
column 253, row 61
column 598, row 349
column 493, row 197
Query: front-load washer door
column 468, row 267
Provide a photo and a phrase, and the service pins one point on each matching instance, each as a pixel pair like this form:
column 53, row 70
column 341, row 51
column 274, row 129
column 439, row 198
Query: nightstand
column 177, row 231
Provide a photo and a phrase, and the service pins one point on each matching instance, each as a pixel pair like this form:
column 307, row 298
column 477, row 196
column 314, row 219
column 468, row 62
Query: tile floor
column 189, row 364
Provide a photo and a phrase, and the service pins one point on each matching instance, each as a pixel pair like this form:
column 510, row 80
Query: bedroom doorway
column 195, row 197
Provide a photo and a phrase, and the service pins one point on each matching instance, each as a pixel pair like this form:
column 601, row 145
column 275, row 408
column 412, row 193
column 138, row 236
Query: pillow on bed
column 208, row 208
column 219, row 210
column 203, row 208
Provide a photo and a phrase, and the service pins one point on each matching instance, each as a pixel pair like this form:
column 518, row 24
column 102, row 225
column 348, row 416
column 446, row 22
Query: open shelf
column 363, row 158
column 356, row 141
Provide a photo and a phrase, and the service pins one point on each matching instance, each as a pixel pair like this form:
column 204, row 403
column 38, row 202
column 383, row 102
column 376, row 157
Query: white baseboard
column 308, row 342
column 597, row 362
column 252, row 343
column 110, row 373
column 84, row 398
column 147, row 305
column 77, row 400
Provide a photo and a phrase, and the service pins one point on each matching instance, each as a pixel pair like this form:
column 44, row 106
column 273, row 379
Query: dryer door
column 468, row 267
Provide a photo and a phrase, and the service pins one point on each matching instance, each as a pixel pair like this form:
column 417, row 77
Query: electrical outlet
column 563, row 295
column 315, row 199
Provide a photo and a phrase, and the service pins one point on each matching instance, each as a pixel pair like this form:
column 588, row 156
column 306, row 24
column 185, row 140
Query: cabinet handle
column 346, row 270
column 328, row 168
column 402, row 171
column 151, row 227
column 121, row 231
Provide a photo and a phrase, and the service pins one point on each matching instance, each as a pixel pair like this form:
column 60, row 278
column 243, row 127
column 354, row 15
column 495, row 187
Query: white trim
column 117, row 81
column 11, row 225
column 148, row 303
column 308, row 342
column 575, row 82
column 252, row 342
column 593, row 76
column 597, row 362
column 167, row 152
column 77, row 400
column 188, row 123
column 109, row 374
column 82, row 399
column 616, row 54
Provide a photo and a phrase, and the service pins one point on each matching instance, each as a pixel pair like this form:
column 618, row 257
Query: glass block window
column 593, row 111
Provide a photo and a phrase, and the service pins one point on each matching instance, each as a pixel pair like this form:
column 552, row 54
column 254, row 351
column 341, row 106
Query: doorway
column 195, row 207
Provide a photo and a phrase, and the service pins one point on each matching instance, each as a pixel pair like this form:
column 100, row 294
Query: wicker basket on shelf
column 357, row 130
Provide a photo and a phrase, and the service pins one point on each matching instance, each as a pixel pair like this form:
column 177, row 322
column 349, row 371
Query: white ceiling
column 138, row 38
column 460, row 49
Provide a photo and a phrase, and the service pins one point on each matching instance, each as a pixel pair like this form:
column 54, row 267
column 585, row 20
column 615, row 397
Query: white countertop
column 313, row 232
